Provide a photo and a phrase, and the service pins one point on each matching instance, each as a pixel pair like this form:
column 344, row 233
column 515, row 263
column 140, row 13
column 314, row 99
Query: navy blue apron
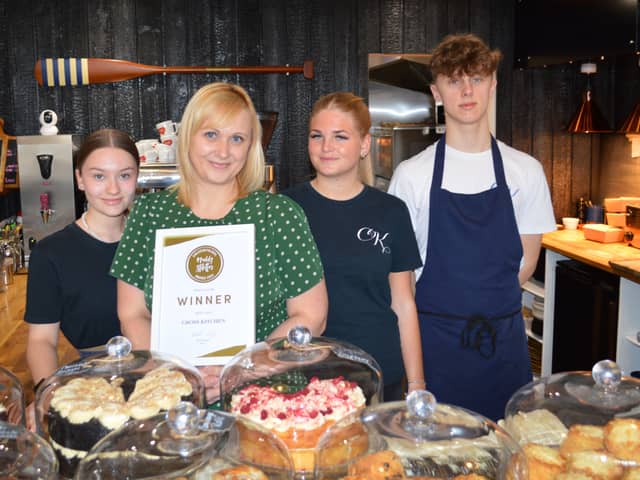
column 469, row 298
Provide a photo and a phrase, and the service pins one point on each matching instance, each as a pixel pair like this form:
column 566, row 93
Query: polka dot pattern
column 287, row 259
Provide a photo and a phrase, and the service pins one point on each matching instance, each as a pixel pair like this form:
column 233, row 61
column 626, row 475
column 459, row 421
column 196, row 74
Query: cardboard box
column 600, row 232
column 616, row 219
column 619, row 204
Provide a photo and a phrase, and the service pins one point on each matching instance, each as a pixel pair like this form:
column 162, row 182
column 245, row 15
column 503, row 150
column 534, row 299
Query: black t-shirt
column 361, row 241
column 69, row 282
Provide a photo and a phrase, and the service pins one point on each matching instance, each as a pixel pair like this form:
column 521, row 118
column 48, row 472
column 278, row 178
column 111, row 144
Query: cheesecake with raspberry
column 300, row 419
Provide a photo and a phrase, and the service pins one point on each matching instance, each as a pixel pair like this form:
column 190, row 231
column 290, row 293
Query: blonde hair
column 353, row 105
column 218, row 103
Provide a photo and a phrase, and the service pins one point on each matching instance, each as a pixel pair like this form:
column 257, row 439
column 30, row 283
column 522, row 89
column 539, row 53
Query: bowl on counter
column 570, row 223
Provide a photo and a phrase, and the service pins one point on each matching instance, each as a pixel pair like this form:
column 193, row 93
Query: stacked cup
column 147, row 150
column 168, row 131
column 152, row 150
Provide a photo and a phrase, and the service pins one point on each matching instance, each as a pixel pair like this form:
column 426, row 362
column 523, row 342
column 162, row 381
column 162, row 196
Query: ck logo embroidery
column 367, row 234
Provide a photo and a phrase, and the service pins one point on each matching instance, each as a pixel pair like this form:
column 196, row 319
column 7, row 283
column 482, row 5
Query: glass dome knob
column 119, row 346
column 184, row 418
column 299, row 336
column 421, row 404
column 607, row 374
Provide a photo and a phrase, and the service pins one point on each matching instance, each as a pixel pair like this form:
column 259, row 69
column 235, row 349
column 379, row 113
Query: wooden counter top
column 618, row 258
column 13, row 335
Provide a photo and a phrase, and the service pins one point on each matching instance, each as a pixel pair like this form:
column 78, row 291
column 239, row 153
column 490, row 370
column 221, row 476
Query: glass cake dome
column 11, row 398
column 24, row 455
column 86, row 399
column 422, row 439
column 579, row 424
column 296, row 388
column 184, row 443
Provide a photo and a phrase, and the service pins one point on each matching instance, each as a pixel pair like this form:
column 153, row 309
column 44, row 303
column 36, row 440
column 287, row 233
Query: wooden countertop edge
column 575, row 250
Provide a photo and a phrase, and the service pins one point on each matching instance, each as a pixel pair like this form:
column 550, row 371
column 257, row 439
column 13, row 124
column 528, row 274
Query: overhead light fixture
column 588, row 118
column 631, row 128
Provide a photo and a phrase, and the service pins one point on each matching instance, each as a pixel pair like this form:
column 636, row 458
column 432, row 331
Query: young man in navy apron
column 479, row 209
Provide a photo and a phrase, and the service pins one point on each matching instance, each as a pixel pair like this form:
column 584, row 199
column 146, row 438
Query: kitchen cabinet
column 570, row 244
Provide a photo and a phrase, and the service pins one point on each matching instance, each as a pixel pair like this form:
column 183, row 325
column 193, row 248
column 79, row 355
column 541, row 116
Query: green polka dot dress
column 287, row 259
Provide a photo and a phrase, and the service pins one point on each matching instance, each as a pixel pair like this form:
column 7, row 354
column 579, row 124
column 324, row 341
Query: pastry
column 538, row 426
column 622, row 438
column 84, row 410
column 239, row 473
column 544, row 462
column 632, row 474
column 573, row 476
column 581, row 438
column 300, row 419
column 598, row 465
column 384, row 465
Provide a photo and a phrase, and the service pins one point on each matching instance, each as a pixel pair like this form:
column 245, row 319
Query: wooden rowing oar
column 61, row 72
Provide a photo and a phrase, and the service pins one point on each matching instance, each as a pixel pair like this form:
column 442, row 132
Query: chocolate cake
column 86, row 409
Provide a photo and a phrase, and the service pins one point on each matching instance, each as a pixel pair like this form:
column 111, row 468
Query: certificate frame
column 203, row 308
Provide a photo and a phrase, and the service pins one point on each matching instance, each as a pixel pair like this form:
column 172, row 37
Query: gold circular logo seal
column 204, row 264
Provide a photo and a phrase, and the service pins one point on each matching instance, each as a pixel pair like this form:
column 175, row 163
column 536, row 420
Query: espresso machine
column 47, row 193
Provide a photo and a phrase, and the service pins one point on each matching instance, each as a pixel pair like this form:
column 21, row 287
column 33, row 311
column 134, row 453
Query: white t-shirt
column 473, row 173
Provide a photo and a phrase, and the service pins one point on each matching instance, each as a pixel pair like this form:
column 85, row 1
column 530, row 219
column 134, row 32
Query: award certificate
column 203, row 292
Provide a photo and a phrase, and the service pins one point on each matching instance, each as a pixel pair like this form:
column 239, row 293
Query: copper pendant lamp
column 632, row 124
column 631, row 129
column 588, row 118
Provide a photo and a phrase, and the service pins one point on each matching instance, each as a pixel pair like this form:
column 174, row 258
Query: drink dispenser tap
column 45, row 161
column 45, row 211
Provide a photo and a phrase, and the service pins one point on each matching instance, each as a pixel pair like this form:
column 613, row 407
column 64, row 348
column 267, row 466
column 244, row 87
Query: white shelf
column 534, row 287
column 530, row 334
column 633, row 340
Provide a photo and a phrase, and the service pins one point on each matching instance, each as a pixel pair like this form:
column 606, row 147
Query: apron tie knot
column 479, row 334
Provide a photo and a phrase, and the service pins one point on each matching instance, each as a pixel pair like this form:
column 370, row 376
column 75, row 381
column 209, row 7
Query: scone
column 384, row 465
column 573, row 476
column 582, row 438
column 544, row 462
column 622, row 438
column 632, row 474
column 240, row 473
column 597, row 465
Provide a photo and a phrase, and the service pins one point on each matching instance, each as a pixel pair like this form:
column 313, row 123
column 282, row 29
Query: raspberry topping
column 320, row 401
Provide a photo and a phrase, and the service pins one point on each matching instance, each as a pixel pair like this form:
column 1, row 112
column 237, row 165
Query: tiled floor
column 13, row 335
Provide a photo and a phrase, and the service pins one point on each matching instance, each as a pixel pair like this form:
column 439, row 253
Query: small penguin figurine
column 48, row 121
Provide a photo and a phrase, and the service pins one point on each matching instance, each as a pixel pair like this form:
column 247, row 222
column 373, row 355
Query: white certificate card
column 203, row 292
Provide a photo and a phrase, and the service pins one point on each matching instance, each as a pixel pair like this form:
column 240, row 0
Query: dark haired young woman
column 69, row 287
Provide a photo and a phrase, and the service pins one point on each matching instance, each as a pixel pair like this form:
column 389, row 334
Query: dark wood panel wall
column 534, row 106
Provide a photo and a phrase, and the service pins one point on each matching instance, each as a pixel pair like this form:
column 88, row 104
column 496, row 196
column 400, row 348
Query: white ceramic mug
column 146, row 144
column 168, row 127
column 171, row 140
column 149, row 156
column 146, row 150
column 166, row 154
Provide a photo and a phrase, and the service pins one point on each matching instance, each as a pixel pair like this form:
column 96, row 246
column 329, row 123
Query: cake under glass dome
column 89, row 398
column 297, row 387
